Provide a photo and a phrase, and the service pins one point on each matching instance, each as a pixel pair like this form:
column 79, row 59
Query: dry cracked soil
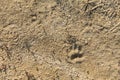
column 59, row 39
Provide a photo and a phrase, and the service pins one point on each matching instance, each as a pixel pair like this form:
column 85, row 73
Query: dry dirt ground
column 59, row 39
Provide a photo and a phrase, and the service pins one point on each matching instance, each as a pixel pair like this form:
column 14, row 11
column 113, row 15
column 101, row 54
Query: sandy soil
column 59, row 39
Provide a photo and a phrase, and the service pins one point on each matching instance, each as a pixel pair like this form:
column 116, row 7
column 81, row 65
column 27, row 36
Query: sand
column 59, row 39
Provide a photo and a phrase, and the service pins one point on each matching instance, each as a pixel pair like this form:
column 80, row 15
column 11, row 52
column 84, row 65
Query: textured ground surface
column 59, row 39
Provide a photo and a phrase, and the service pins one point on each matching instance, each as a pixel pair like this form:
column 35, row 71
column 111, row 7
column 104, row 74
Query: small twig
column 27, row 45
column 44, row 31
column 6, row 49
column 30, row 76
column 94, row 8
column 3, row 68
column 118, row 24
column 113, row 28
column 70, row 3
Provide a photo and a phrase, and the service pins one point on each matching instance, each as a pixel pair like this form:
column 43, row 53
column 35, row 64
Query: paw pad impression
column 74, row 55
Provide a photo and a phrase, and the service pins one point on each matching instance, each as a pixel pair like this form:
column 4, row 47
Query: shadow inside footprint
column 77, row 55
column 75, row 46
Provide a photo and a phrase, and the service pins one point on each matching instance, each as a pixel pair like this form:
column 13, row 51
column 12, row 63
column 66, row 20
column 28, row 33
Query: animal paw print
column 74, row 56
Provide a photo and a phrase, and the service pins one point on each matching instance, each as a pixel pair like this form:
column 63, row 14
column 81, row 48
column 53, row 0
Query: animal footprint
column 74, row 56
